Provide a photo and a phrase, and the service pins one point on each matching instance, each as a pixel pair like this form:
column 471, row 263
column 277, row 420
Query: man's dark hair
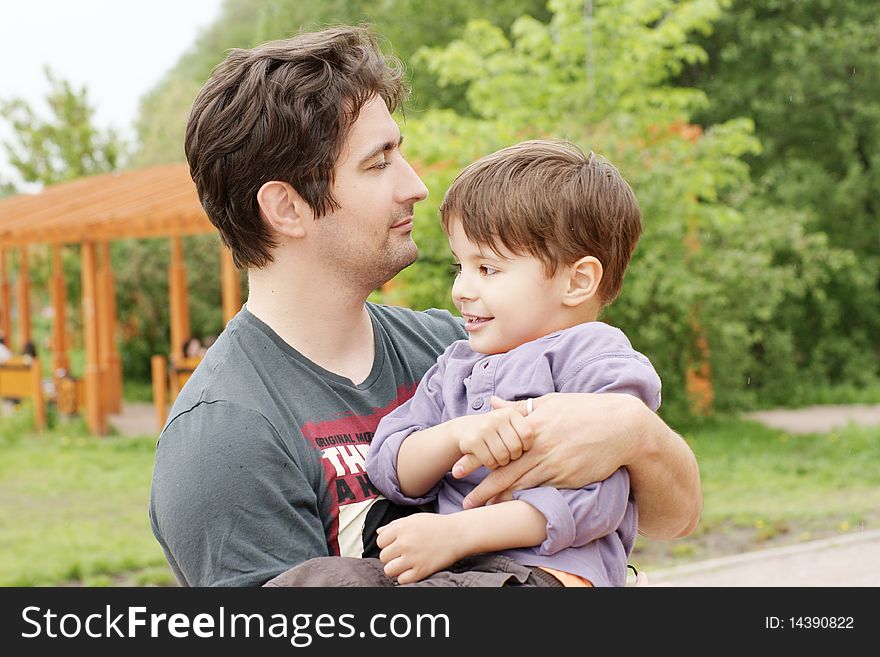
column 281, row 111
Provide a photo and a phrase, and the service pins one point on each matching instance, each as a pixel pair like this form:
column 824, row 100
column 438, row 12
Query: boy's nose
column 460, row 290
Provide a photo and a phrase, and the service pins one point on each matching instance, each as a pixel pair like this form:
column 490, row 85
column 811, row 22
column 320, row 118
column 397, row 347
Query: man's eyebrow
column 381, row 148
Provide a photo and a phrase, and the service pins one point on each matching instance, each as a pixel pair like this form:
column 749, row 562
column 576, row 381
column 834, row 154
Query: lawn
column 73, row 509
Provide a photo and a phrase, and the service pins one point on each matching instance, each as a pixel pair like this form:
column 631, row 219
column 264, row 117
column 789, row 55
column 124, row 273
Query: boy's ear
column 583, row 282
column 283, row 208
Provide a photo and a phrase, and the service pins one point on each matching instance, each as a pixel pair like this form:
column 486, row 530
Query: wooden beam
column 24, row 300
column 58, row 289
column 115, row 362
column 6, row 300
column 229, row 280
column 108, row 354
column 177, row 291
column 159, row 367
column 95, row 417
column 37, row 395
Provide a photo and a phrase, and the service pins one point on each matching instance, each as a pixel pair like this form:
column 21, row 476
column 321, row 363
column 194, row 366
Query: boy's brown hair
column 281, row 111
column 544, row 198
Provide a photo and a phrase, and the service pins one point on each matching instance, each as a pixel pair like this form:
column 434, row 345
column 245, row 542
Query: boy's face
column 368, row 239
column 506, row 299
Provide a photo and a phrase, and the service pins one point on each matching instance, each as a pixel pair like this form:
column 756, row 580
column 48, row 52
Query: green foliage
column 807, row 71
column 64, row 147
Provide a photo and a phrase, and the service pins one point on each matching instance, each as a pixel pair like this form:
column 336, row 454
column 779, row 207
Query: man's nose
column 412, row 188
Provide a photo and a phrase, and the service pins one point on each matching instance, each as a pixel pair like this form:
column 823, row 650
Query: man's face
column 368, row 239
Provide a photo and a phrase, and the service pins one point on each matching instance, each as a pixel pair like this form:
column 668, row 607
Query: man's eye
column 381, row 165
column 486, row 270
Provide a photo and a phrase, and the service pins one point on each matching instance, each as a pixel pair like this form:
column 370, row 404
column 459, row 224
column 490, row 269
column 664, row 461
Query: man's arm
column 576, row 444
column 232, row 504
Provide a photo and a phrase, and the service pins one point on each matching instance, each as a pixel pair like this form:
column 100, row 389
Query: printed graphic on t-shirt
column 343, row 443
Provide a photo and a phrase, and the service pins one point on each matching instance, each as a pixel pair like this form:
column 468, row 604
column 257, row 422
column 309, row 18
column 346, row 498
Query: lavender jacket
column 590, row 531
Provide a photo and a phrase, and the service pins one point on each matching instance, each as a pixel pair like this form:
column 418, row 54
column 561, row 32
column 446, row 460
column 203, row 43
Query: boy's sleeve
column 230, row 503
column 423, row 410
column 580, row 516
column 621, row 370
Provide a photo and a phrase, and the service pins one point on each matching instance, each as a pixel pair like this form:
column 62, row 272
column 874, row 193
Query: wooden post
column 179, row 307
column 37, row 394
column 5, row 299
column 159, row 367
column 231, row 291
column 58, row 289
column 95, row 418
column 111, row 373
column 24, row 301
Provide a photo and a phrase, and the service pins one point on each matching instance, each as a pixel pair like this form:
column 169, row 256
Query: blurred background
column 749, row 130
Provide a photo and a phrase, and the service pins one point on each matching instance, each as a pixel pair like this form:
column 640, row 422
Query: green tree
column 807, row 72
column 65, row 146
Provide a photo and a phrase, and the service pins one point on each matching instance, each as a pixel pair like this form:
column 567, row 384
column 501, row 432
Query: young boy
column 541, row 237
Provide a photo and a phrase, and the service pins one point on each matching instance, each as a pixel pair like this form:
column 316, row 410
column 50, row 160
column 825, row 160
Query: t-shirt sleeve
column 230, row 503
column 423, row 410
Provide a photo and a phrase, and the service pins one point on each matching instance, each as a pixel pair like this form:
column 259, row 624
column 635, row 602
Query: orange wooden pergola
column 155, row 202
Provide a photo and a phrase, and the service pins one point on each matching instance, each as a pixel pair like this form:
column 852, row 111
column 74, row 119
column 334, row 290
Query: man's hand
column 570, row 450
column 419, row 545
column 580, row 438
column 495, row 438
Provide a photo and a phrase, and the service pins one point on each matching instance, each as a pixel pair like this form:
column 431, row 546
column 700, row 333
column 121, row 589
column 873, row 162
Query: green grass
column 763, row 487
column 73, row 508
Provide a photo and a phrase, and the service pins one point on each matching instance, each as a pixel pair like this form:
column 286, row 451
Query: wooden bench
column 22, row 378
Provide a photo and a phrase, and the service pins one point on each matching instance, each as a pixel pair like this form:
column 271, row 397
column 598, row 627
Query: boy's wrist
column 468, row 539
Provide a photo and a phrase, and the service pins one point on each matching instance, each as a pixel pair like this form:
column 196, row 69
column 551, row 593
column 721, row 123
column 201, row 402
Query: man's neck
column 327, row 324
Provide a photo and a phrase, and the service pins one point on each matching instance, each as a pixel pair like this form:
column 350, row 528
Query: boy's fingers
column 521, row 406
column 497, row 481
column 465, row 465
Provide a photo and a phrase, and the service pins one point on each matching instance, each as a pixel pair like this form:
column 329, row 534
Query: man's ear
column 583, row 281
column 283, row 208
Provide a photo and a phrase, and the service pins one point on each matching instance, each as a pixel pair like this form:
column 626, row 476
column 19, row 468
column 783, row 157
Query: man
column 260, row 465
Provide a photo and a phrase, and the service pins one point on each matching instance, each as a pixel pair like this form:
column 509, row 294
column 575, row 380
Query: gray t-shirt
column 260, row 465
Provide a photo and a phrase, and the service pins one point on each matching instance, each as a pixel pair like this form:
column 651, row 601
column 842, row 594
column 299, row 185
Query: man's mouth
column 404, row 222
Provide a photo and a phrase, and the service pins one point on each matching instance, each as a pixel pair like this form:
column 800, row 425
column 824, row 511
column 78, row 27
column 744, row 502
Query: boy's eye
column 455, row 268
column 486, row 270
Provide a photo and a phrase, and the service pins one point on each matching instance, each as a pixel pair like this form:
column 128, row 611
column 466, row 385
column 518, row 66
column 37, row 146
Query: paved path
column 818, row 419
column 135, row 419
column 846, row 560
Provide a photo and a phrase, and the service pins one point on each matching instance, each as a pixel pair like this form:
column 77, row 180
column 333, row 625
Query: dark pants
column 485, row 570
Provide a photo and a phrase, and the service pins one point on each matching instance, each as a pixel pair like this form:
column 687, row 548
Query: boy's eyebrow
column 381, row 148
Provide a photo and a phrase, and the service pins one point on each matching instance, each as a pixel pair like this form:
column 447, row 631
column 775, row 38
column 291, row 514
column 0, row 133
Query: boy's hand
column 495, row 438
column 418, row 546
